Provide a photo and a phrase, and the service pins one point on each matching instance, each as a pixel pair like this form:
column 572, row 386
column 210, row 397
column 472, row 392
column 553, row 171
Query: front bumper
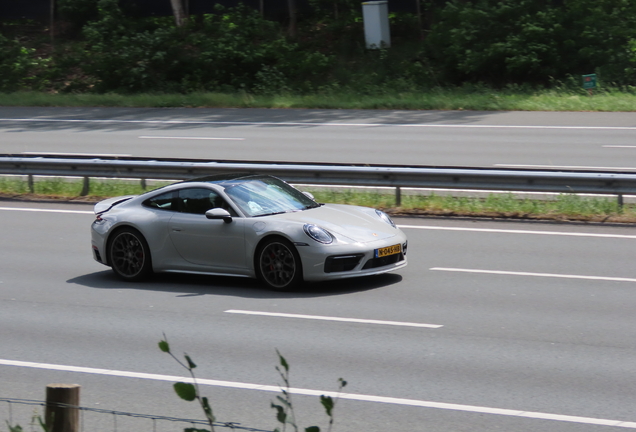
column 332, row 262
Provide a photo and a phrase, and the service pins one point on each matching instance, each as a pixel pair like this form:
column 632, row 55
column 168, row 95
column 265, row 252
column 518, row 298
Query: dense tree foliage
column 534, row 41
column 105, row 46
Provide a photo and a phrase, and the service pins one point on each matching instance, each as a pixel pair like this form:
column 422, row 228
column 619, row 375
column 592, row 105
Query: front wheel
column 278, row 265
column 129, row 255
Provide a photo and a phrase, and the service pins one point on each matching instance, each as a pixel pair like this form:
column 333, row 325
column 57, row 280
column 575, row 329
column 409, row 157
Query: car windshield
column 261, row 196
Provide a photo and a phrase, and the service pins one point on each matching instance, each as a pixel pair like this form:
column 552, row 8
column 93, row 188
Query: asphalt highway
column 600, row 141
column 493, row 326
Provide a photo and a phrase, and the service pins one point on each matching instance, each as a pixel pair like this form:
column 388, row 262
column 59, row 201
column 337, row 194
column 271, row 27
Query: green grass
column 61, row 188
column 560, row 207
column 477, row 99
column 565, row 207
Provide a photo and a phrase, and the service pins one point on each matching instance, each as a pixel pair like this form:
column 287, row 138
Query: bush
column 106, row 46
column 76, row 14
column 231, row 50
column 18, row 66
column 509, row 41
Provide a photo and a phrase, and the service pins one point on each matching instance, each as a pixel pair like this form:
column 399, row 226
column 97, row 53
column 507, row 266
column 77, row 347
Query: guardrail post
column 620, row 201
column 86, row 185
column 143, row 184
column 398, row 196
column 62, row 408
column 31, row 184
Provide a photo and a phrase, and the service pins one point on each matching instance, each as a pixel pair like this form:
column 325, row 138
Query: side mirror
column 219, row 213
column 309, row 195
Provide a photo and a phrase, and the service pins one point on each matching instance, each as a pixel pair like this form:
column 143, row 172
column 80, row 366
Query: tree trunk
column 293, row 20
column 178, row 11
column 52, row 22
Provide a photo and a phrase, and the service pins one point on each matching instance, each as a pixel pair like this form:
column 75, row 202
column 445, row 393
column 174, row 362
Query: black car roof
column 221, row 178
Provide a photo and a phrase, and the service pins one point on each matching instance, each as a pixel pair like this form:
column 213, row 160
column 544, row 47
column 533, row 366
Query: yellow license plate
column 389, row 250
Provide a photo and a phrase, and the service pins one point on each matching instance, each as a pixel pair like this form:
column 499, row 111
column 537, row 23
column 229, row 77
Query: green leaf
column 327, row 402
column 190, row 362
column 281, row 415
column 185, row 391
column 312, row 429
column 163, row 346
column 207, row 409
column 43, row 425
column 342, row 382
column 283, row 401
column 283, row 362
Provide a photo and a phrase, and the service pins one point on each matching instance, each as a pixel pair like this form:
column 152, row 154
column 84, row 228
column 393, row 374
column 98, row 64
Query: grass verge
column 566, row 207
column 476, row 99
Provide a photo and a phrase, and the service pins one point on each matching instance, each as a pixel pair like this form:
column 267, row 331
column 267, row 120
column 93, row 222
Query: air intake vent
column 384, row 261
column 340, row 263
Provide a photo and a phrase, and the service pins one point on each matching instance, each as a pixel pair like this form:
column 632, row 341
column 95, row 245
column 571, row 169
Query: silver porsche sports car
column 244, row 225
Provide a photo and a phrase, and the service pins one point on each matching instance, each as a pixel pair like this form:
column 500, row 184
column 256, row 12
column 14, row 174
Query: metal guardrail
column 578, row 182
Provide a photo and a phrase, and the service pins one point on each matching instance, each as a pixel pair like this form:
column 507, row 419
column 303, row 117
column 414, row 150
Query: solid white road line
column 326, row 318
column 248, row 123
column 349, row 396
column 502, row 231
column 552, row 275
column 619, row 146
column 75, row 154
column 572, row 167
column 46, row 210
column 190, row 138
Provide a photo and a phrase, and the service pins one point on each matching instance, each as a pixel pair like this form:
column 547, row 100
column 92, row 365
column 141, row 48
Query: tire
column 278, row 265
column 129, row 255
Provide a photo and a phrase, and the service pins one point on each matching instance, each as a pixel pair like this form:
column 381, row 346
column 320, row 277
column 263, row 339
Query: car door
column 214, row 244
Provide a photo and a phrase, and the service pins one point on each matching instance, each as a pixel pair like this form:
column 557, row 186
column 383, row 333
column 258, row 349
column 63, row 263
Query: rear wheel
column 129, row 255
column 278, row 265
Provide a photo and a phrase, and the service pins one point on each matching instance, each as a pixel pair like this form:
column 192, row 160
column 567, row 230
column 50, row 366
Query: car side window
column 166, row 201
column 200, row 200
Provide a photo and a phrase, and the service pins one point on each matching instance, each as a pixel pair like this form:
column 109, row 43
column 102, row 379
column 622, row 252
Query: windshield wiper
column 275, row 213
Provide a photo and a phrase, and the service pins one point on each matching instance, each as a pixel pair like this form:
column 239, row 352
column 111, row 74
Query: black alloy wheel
column 129, row 255
column 278, row 265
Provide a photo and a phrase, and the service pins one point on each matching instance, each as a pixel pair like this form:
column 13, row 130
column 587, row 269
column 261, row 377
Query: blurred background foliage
column 102, row 46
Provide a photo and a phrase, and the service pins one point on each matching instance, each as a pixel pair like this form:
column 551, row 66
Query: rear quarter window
column 166, row 201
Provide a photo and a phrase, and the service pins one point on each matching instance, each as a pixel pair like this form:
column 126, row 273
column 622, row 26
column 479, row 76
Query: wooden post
column 62, row 408
column 86, row 186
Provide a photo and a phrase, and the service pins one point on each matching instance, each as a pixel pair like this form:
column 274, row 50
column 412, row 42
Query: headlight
column 321, row 235
column 385, row 217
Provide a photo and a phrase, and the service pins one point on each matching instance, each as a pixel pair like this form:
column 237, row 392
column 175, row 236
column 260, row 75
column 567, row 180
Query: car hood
column 359, row 224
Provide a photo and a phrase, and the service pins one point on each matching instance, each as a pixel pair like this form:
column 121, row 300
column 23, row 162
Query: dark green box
column 589, row 81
